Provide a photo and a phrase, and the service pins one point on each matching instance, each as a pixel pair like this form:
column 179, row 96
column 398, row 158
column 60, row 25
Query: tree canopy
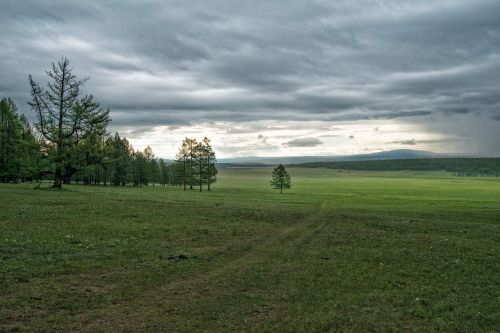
column 195, row 163
column 65, row 116
column 280, row 178
column 20, row 153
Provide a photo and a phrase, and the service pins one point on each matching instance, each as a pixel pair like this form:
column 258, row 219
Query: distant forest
column 469, row 167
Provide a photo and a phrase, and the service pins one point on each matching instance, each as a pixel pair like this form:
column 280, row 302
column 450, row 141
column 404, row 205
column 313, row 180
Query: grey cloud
column 452, row 111
column 411, row 142
column 181, row 63
column 263, row 139
column 303, row 142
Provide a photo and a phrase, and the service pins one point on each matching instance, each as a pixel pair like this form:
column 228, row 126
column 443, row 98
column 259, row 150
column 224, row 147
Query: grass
column 358, row 251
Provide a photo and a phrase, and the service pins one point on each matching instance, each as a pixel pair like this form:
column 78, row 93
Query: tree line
column 69, row 142
column 21, row 156
column 469, row 167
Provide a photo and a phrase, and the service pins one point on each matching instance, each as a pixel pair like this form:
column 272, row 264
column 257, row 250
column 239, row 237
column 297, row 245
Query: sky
column 272, row 78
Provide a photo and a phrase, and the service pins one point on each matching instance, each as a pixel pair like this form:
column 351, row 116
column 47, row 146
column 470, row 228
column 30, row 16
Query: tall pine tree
column 65, row 116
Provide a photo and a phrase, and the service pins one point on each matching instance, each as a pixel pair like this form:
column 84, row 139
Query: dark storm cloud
column 432, row 63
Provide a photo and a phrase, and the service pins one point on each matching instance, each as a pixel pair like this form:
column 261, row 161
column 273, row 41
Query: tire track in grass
column 116, row 317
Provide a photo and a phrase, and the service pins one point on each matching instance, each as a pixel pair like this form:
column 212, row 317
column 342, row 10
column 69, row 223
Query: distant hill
column 391, row 155
column 384, row 155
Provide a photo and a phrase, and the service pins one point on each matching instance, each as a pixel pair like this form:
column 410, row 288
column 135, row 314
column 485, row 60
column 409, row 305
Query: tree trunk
column 58, row 178
column 2, row 148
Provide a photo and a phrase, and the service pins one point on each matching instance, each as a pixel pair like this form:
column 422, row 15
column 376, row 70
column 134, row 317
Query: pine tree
column 64, row 116
column 280, row 178
column 209, row 161
column 149, row 156
column 140, row 169
column 183, row 162
column 9, row 140
column 20, row 151
column 164, row 173
column 155, row 171
column 191, row 145
column 28, row 151
column 199, row 165
column 121, row 160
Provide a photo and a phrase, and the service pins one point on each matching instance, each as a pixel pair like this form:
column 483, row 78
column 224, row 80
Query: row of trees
column 114, row 161
column 20, row 153
column 469, row 167
column 195, row 164
column 69, row 142
column 96, row 159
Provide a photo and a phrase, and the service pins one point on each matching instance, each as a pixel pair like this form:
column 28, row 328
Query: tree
column 155, row 171
column 29, row 152
column 164, row 173
column 191, row 145
column 183, row 162
column 199, row 164
column 121, row 159
column 195, row 164
column 280, row 178
column 20, row 151
column 149, row 157
column 9, row 138
column 140, row 169
column 65, row 116
column 209, row 160
column 90, row 158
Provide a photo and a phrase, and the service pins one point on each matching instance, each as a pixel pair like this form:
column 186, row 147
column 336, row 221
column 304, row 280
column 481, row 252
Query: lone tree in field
column 281, row 179
column 65, row 116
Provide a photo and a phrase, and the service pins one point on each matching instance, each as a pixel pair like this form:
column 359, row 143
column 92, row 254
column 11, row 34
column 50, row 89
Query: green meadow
column 340, row 251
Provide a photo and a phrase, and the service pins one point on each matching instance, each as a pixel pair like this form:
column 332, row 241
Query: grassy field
column 339, row 252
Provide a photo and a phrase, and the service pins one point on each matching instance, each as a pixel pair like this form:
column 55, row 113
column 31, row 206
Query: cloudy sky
column 273, row 78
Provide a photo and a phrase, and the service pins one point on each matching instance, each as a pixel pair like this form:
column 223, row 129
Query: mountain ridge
column 382, row 155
